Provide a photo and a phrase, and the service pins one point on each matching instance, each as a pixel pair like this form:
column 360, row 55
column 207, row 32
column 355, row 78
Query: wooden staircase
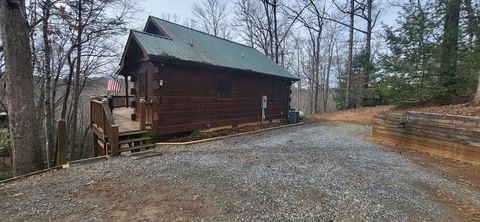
column 107, row 140
column 134, row 141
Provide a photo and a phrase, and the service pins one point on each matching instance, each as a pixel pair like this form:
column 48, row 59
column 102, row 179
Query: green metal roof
column 189, row 45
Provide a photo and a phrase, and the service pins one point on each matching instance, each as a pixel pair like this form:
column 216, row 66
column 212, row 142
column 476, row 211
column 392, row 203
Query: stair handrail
column 101, row 117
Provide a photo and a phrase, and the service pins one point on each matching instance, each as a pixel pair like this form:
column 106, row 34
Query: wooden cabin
column 191, row 80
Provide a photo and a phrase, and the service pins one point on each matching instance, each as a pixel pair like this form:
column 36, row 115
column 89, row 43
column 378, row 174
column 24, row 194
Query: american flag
column 113, row 85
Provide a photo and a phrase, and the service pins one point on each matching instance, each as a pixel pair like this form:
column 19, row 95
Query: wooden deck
column 123, row 120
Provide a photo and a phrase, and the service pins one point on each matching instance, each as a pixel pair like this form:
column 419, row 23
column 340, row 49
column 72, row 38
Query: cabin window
column 278, row 90
column 224, row 89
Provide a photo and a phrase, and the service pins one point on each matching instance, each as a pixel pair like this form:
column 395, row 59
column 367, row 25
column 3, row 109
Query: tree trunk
column 68, row 89
column 315, row 107
column 275, row 30
column 24, row 137
column 350, row 54
column 47, row 108
column 311, row 91
column 368, row 50
column 316, row 67
column 76, row 90
column 327, row 78
column 476, row 100
column 448, row 65
column 474, row 32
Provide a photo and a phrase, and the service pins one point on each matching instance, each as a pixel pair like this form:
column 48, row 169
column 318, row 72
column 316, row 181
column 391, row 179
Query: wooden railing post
column 113, row 139
column 61, row 146
column 143, row 114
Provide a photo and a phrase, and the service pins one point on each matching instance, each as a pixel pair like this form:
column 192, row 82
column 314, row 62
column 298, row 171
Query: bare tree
column 315, row 30
column 350, row 53
column 365, row 12
column 24, row 137
column 76, row 90
column 47, row 108
column 253, row 25
column 175, row 18
column 93, row 21
column 332, row 39
column 245, row 12
column 212, row 16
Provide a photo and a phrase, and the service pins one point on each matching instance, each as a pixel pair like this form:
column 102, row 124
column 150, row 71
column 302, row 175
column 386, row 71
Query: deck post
column 142, row 114
column 126, row 91
column 113, row 139
column 61, row 146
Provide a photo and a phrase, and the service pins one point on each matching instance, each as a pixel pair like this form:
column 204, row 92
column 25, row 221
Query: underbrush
column 4, row 152
column 5, row 175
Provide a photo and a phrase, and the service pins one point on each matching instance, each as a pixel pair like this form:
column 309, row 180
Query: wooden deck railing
column 104, row 130
column 121, row 101
column 450, row 136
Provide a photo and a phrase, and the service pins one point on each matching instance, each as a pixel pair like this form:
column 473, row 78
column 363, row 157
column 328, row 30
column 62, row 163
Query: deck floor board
column 123, row 120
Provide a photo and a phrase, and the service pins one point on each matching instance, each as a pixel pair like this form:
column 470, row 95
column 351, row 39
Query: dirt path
column 315, row 172
column 362, row 115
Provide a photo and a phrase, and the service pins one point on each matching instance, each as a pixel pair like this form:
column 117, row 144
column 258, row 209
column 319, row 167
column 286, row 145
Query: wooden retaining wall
column 455, row 137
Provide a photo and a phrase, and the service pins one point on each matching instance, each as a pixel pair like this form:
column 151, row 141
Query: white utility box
column 264, row 102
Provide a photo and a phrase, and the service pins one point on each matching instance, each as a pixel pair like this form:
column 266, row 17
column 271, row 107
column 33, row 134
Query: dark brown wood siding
column 188, row 98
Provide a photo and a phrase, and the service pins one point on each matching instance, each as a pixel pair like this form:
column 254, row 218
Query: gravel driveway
column 315, row 172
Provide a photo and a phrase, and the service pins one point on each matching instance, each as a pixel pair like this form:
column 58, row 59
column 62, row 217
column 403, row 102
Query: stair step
column 137, row 147
column 131, row 133
column 134, row 140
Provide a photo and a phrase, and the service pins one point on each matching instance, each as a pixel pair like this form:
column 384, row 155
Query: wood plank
column 433, row 135
column 442, row 135
column 445, row 149
column 61, row 144
column 131, row 133
column 169, row 129
column 145, row 146
column 134, row 140
column 214, row 118
column 123, row 119
column 444, row 131
column 435, row 116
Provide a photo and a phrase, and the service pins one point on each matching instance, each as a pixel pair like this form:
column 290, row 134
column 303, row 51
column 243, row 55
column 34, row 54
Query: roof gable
column 153, row 28
column 166, row 40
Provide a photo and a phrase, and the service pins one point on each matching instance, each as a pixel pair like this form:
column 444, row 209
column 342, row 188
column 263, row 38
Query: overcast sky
column 182, row 8
column 159, row 7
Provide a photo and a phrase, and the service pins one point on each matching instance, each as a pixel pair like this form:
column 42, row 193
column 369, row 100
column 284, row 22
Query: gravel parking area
column 315, row 172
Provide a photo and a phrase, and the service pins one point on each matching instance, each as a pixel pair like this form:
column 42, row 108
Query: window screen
column 224, row 89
